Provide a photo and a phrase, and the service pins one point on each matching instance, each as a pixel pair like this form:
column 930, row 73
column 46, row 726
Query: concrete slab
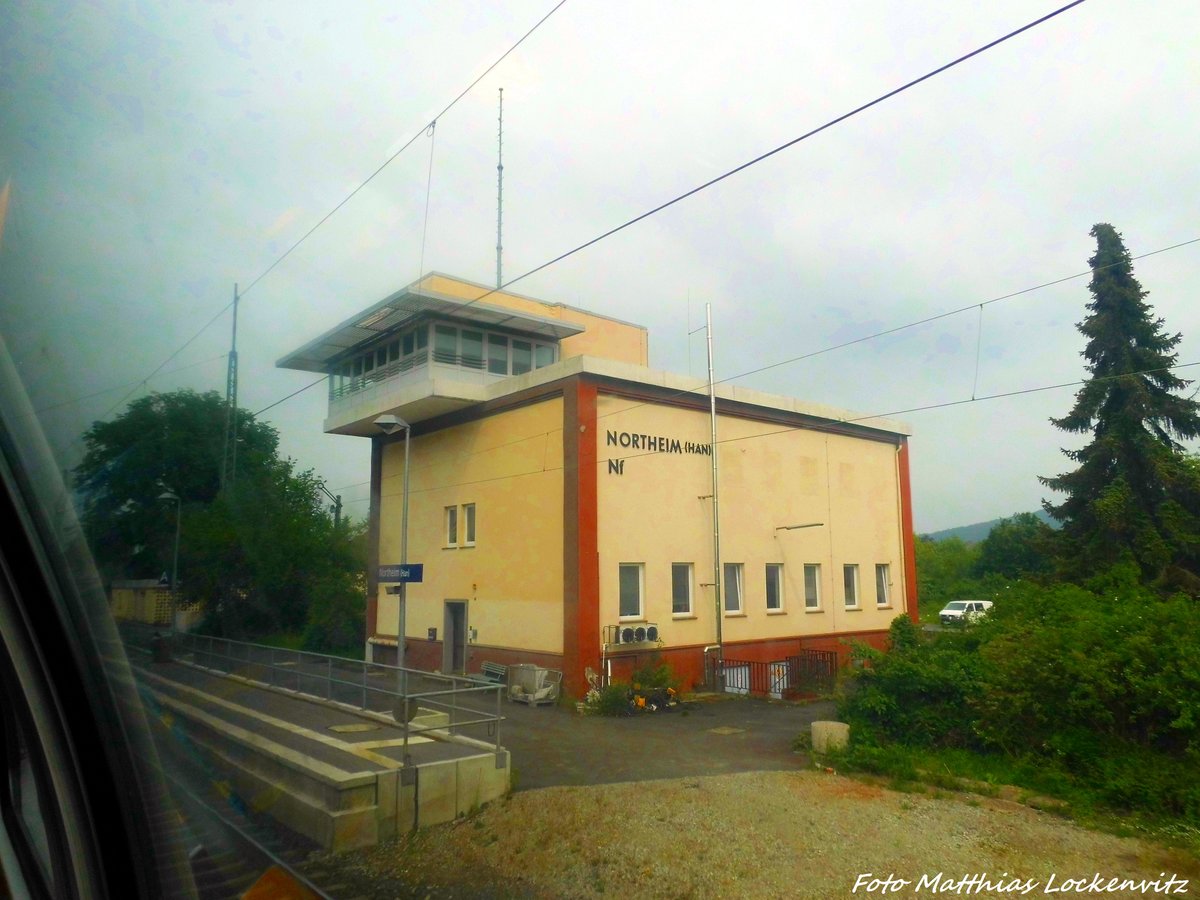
column 334, row 774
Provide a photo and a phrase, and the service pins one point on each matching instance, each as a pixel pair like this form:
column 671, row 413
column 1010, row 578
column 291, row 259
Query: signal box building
column 560, row 495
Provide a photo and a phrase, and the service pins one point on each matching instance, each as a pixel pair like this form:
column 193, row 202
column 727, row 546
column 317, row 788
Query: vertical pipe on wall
column 712, row 409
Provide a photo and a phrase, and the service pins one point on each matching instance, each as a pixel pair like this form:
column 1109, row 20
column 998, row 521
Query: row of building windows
column 469, row 348
column 459, row 531
column 631, row 587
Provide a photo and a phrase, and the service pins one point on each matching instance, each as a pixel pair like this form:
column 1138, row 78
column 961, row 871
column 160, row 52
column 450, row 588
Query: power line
column 782, row 147
column 953, row 312
column 325, row 218
column 290, row 396
column 117, row 387
column 899, row 328
column 763, row 434
column 1036, row 390
column 764, row 156
column 947, row 404
column 809, row 355
column 449, row 106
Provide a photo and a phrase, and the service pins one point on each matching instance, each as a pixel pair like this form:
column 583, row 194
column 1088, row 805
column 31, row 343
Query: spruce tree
column 1135, row 496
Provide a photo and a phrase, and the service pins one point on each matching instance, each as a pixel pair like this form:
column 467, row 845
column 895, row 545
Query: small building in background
column 143, row 600
column 560, row 495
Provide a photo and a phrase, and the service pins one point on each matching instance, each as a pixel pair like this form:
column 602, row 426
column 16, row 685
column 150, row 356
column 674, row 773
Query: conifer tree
column 1135, row 496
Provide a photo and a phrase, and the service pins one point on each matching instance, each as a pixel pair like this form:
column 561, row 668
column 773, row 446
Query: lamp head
column 390, row 424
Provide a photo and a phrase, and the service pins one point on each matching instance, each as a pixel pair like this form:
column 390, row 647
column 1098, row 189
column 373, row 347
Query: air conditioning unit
column 633, row 634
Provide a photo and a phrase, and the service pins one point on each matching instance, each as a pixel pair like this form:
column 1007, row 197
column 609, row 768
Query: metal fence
column 376, row 687
column 807, row 672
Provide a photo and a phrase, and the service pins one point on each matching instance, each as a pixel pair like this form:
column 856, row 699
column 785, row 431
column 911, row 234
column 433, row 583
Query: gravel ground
column 761, row 834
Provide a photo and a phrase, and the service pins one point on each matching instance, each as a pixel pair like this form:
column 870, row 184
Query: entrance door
column 454, row 630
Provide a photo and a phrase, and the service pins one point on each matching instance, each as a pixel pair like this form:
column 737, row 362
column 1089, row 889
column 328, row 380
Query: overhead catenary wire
column 895, row 330
column 831, row 348
column 325, row 218
column 784, row 146
column 943, row 405
column 125, row 384
column 662, row 206
column 761, row 157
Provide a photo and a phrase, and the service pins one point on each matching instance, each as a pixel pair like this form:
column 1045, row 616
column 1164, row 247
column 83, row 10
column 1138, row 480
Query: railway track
column 229, row 847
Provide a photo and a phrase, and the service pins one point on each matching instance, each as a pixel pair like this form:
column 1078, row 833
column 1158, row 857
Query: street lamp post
column 169, row 496
column 389, row 425
column 336, row 509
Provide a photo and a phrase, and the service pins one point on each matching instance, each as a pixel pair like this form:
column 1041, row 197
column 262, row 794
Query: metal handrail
column 293, row 670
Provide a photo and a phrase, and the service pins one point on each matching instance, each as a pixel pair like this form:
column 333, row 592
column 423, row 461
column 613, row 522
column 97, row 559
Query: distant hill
column 973, row 534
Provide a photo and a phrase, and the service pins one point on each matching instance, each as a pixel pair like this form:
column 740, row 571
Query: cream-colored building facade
column 561, row 495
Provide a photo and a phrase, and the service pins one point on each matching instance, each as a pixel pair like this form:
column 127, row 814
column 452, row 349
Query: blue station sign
column 413, row 573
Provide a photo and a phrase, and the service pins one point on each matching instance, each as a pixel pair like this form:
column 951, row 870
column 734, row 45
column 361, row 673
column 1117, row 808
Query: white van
column 959, row 612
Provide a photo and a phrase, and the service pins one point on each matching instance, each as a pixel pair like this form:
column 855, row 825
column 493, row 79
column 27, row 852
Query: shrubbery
column 1104, row 688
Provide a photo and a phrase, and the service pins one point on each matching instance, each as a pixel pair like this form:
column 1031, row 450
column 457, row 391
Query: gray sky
column 159, row 153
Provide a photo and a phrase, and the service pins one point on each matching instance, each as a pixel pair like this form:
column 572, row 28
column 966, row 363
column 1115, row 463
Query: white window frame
column 468, row 525
column 851, row 596
column 815, row 606
column 774, row 576
column 450, row 527
column 731, row 573
column 641, row 591
column 883, row 585
column 689, row 570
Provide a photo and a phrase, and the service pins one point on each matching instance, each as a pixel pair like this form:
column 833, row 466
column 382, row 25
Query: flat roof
column 405, row 305
column 680, row 384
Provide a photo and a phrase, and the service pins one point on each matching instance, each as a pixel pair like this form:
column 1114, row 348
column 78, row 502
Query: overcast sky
column 160, row 153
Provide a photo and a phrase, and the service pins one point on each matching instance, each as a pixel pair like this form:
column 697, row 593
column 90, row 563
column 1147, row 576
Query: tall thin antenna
column 229, row 454
column 500, row 190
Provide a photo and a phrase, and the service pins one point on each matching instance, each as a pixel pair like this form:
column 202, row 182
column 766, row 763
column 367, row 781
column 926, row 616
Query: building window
column 681, row 589
column 468, row 512
column 472, row 349
column 631, row 590
column 497, row 354
column 774, row 587
column 733, row 588
column 445, row 344
column 451, row 526
column 812, row 586
column 522, row 357
column 850, row 580
column 883, row 581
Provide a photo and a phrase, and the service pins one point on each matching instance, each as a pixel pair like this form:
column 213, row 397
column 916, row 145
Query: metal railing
column 369, row 686
column 365, row 380
column 808, row 671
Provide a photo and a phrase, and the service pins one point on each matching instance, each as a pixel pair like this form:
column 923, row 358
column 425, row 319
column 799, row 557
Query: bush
column 919, row 693
column 1094, row 696
column 653, row 677
column 612, row 700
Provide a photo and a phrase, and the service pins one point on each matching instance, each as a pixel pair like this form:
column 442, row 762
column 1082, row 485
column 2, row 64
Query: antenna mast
column 229, row 456
column 499, row 189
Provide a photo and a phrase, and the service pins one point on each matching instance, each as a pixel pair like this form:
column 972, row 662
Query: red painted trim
column 906, row 527
column 581, row 547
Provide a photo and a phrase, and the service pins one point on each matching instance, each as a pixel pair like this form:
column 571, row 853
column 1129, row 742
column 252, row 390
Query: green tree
column 261, row 556
column 163, row 442
column 1134, row 495
column 944, row 572
column 1017, row 547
